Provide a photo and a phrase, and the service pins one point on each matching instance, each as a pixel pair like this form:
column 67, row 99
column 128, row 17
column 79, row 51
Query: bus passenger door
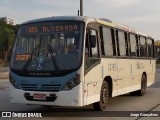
column 92, row 67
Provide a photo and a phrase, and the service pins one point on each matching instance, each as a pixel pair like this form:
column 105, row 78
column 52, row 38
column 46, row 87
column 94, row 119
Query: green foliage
column 7, row 34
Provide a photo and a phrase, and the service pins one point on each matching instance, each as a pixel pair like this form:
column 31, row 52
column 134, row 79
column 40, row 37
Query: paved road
column 4, row 69
column 149, row 102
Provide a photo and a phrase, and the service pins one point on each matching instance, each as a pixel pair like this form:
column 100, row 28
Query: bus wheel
column 104, row 97
column 142, row 91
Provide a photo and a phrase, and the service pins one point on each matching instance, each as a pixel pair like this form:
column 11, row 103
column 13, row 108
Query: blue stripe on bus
column 42, row 83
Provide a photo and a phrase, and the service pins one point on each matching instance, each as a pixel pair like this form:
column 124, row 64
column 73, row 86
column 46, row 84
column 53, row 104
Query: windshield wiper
column 31, row 56
column 53, row 57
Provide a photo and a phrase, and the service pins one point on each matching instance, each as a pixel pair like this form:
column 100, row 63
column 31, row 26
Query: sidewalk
column 4, row 73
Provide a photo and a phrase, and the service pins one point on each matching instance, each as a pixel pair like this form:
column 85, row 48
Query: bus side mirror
column 93, row 41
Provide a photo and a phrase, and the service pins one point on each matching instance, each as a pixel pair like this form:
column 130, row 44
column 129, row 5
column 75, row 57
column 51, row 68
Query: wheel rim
column 104, row 97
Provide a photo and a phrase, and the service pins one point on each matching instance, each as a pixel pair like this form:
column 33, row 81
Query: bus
column 76, row 61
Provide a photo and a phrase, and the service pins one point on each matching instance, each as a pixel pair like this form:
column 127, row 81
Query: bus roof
column 86, row 19
column 120, row 26
column 62, row 18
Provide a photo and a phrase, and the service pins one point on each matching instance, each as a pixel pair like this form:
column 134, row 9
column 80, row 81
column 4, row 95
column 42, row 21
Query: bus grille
column 41, row 87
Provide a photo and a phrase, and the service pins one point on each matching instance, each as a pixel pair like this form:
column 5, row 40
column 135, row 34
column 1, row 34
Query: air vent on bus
column 29, row 87
column 53, row 87
column 41, row 87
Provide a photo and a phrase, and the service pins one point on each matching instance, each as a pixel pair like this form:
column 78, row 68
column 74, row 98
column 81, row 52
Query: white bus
column 77, row 61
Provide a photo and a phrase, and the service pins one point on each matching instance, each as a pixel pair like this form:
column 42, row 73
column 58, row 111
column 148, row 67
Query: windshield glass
column 49, row 46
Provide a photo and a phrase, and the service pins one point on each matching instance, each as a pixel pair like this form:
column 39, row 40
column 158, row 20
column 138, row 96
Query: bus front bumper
column 72, row 97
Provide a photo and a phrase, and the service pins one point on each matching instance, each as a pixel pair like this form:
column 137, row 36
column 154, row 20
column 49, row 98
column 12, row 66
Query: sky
column 143, row 15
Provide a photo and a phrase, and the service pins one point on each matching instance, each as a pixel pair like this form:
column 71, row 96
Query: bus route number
column 112, row 67
column 33, row 29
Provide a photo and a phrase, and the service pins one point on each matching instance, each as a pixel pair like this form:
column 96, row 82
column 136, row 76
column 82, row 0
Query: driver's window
column 94, row 50
column 91, row 49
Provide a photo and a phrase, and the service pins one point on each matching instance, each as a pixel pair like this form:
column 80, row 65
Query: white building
column 8, row 20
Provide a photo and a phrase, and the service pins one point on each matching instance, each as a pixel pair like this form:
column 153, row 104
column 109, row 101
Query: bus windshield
column 48, row 46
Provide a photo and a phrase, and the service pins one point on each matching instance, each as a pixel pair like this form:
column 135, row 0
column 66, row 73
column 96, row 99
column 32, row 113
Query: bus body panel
column 110, row 69
column 95, row 77
column 126, row 76
column 93, row 82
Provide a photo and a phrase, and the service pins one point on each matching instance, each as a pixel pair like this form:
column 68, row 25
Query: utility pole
column 81, row 7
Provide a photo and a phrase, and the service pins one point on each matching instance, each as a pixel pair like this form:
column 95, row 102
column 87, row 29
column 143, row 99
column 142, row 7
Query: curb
column 4, row 75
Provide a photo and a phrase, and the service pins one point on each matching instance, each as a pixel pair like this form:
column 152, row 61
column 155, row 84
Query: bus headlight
column 13, row 82
column 72, row 83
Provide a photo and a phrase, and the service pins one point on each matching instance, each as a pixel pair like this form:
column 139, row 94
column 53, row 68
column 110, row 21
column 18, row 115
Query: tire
column 104, row 98
column 142, row 91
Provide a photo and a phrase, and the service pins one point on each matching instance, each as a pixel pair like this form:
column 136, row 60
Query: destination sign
column 22, row 57
column 52, row 28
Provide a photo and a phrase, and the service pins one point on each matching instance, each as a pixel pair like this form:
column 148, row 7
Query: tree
column 7, row 34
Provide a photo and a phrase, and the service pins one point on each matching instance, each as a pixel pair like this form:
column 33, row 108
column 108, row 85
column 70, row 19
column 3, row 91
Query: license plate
column 39, row 96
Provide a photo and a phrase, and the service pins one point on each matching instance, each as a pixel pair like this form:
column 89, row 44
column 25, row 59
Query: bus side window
column 91, row 49
column 121, row 43
column 107, row 42
column 150, row 47
column 133, row 45
column 143, row 47
column 93, row 37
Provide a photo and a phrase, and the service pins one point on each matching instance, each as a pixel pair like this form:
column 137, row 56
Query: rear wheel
column 142, row 91
column 104, row 97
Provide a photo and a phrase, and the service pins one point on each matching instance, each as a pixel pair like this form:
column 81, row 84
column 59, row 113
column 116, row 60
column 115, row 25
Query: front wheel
column 104, row 98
